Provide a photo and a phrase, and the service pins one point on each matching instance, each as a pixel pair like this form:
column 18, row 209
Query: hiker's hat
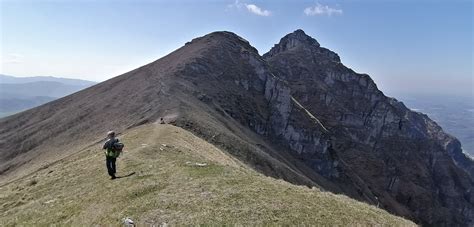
column 111, row 133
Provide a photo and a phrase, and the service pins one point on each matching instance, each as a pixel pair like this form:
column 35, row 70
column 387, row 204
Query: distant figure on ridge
column 162, row 121
column 114, row 147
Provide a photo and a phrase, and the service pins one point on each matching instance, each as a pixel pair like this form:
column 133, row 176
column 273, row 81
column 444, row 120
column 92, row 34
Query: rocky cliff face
column 247, row 91
column 296, row 113
column 301, row 99
column 408, row 163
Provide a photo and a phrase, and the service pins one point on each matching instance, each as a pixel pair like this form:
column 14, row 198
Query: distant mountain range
column 21, row 80
column 21, row 93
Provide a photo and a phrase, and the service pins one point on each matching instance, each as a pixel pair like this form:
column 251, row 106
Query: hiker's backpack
column 117, row 147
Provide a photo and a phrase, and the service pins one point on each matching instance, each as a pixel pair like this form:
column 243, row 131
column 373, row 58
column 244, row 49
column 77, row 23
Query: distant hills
column 21, row 80
column 21, row 93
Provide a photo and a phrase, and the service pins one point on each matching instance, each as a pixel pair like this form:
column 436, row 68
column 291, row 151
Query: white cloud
column 257, row 10
column 319, row 9
column 250, row 7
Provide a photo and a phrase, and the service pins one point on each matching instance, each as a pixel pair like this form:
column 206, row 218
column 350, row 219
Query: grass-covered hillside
column 171, row 176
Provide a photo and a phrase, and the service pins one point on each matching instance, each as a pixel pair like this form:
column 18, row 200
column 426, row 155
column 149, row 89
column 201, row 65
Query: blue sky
column 405, row 46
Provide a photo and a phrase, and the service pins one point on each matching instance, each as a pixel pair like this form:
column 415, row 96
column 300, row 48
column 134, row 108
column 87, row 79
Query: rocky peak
column 299, row 39
column 295, row 39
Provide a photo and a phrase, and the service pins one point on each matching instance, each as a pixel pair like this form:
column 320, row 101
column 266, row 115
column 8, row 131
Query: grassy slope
column 165, row 189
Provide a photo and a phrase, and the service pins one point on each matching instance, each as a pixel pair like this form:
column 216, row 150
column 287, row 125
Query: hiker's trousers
column 110, row 162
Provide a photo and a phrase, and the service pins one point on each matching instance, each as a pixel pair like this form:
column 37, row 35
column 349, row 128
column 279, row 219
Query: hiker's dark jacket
column 109, row 145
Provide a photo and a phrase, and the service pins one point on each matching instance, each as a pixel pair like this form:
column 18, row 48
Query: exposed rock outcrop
column 402, row 156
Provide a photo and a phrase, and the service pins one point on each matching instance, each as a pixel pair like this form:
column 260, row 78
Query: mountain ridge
column 272, row 112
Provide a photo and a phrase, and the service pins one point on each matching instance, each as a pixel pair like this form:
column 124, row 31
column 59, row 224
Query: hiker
column 113, row 147
column 162, row 121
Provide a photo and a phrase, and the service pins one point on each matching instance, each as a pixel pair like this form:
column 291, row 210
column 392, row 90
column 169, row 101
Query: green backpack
column 117, row 147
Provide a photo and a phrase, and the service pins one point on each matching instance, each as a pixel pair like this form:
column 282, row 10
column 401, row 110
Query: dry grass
column 167, row 189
